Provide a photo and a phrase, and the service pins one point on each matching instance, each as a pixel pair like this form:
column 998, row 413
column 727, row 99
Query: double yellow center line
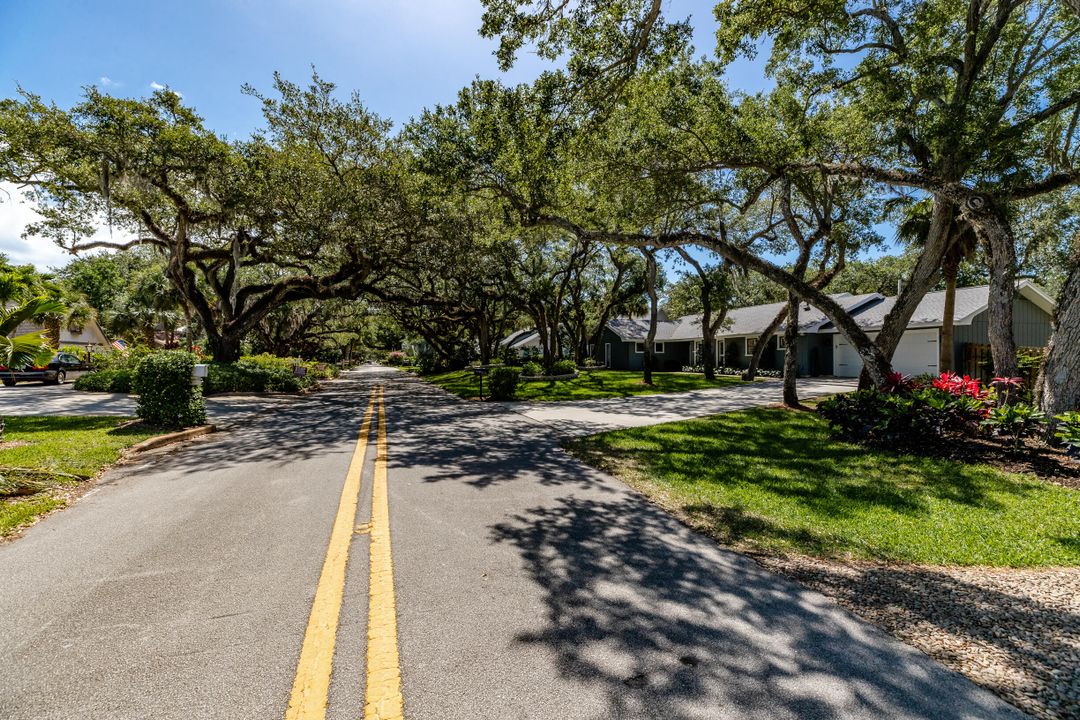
column 311, row 687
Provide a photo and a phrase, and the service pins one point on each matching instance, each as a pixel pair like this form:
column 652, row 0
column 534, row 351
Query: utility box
column 198, row 373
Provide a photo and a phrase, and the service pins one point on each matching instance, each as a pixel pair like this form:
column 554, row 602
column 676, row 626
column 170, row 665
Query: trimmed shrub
column 564, row 367
column 166, row 396
column 395, row 358
column 532, row 368
column 113, row 381
column 504, row 382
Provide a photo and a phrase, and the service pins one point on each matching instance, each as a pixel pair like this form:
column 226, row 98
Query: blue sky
column 400, row 56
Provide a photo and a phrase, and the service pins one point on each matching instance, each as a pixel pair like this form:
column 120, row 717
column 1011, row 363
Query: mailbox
column 198, row 373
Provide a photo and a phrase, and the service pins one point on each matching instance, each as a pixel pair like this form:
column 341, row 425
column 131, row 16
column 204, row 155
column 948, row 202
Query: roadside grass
column 772, row 480
column 53, row 449
column 589, row 385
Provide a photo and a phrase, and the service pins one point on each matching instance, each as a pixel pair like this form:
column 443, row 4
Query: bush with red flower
column 949, row 406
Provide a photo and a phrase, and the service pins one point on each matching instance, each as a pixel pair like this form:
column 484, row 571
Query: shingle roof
column 931, row 311
column 518, row 339
column 750, row 320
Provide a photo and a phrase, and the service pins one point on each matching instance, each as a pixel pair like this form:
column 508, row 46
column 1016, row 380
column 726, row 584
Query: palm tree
column 26, row 348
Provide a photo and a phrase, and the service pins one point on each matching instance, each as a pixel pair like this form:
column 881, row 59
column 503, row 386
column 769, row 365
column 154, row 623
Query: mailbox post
column 480, row 372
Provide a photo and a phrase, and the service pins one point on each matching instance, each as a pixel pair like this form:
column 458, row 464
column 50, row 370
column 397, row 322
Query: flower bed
column 732, row 371
column 957, row 416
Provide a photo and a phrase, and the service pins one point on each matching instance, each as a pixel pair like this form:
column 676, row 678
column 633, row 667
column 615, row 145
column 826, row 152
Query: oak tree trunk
column 918, row 284
column 1058, row 386
column 708, row 342
column 650, row 259
column 224, row 347
column 791, row 354
column 1001, row 252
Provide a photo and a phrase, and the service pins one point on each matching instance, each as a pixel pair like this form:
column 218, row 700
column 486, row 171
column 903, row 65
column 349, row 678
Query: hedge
column 112, row 381
column 166, row 396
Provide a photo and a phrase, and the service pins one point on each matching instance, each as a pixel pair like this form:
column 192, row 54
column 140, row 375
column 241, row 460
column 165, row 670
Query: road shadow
column 323, row 423
column 482, row 444
column 667, row 626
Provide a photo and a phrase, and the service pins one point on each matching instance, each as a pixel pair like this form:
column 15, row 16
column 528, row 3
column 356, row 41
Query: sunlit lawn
column 772, row 480
column 79, row 446
column 588, row 385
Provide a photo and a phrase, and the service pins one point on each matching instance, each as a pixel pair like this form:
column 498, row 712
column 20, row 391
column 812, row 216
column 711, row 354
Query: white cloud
column 155, row 85
column 43, row 253
column 106, row 81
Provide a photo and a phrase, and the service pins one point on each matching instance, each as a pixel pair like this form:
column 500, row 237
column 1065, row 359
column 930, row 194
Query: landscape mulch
column 1016, row 632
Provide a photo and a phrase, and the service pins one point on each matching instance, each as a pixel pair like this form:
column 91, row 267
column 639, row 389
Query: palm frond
column 11, row 318
column 24, row 349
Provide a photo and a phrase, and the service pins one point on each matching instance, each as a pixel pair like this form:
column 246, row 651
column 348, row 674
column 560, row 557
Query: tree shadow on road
column 666, row 626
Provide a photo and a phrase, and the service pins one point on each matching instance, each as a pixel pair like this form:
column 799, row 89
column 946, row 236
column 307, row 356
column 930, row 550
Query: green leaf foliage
column 167, row 397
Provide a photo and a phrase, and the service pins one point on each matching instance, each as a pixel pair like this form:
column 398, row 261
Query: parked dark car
column 61, row 368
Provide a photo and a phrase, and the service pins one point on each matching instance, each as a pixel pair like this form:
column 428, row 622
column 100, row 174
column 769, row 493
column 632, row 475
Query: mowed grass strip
column 774, row 480
column 589, row 385
column 81, row 446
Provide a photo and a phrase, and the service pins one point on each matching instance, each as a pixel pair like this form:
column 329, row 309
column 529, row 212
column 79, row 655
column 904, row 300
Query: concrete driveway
column 586, row 417
column 38, row 399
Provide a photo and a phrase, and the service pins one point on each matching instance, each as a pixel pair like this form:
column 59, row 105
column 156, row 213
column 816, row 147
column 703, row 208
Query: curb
column 160, row 440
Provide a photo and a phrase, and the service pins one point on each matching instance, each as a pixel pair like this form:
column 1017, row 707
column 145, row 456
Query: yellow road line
column 312, row 683
column 383, row 700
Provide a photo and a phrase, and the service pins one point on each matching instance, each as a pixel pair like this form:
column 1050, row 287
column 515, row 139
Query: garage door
column 917, row 354
column 846, row 362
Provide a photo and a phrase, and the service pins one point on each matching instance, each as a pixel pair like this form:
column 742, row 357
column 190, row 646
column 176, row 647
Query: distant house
column 88, row 336
column 678, row 342
column 525, row 343
column 822, row 350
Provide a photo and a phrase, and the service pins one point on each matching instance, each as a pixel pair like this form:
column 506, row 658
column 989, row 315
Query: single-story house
column 89, row 335
column 678, row 342
column 822, row 350
column 526, row 343
column 918, row 351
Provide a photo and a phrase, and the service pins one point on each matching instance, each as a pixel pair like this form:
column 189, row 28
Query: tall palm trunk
column 52, row 332
column 946, row 359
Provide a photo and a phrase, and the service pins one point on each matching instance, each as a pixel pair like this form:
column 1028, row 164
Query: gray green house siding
column 1031, row 326
column 676, row 354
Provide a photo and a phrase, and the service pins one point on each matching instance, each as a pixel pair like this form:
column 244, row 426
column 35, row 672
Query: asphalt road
column 527, row 586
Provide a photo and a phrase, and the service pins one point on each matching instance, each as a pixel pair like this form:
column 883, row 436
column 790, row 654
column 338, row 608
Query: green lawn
column 774, row 480
column 588, row 385
column 80, row 446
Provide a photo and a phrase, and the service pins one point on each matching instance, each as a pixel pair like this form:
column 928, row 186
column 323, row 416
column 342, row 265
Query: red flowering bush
column 960, row 386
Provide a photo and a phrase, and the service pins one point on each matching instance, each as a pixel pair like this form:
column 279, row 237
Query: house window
column 751, row 343
column 781, row 342
column 658, row 348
